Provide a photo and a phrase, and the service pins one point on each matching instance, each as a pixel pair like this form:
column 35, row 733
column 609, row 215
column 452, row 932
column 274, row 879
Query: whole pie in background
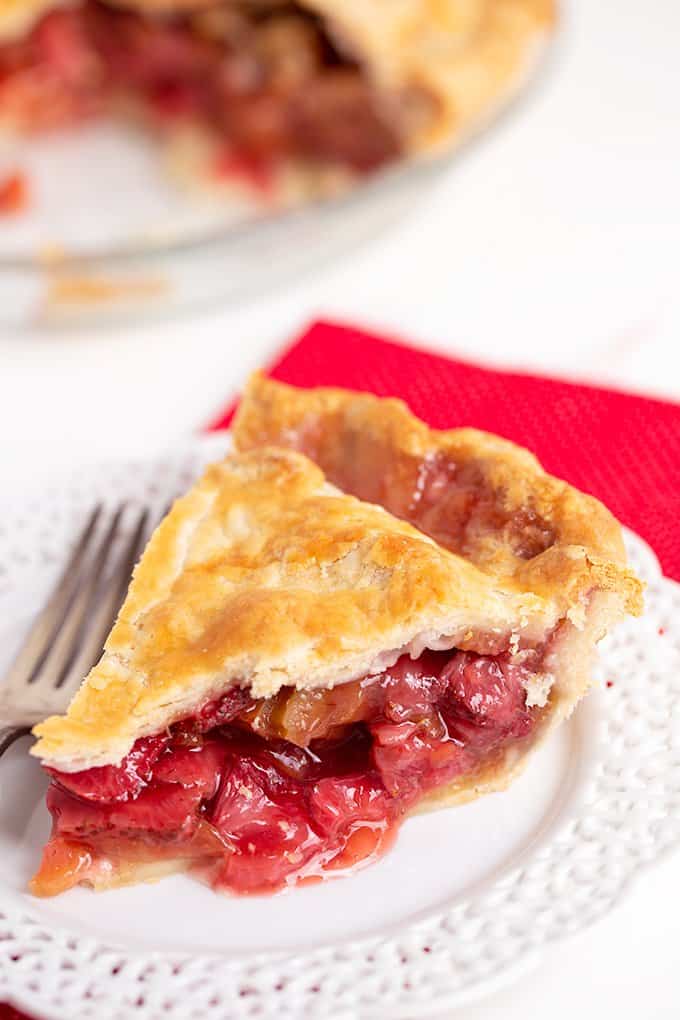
column 295, row 671
column 299, row 99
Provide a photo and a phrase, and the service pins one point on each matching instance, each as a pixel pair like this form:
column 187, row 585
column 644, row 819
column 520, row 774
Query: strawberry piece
column 195, row 768
column 413, row 686
column 262, row 817
column 489, row 700
column 64, row 46
column 340, row 805
column 252, row 801
column 225, row 709
column 164, row 810
column 110, row 783
column 415, row 757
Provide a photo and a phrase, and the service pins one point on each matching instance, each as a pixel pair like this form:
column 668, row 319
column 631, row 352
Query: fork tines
column 67, row 637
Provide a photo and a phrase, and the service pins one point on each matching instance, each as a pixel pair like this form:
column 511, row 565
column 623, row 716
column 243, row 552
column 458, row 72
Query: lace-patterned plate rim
column 573, row 875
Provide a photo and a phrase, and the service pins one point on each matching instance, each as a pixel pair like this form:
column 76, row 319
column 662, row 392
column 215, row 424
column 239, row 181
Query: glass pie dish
column 68, row 265
column 159, row 153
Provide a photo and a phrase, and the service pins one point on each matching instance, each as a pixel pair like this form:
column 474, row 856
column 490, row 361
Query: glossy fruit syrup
column 259, row 795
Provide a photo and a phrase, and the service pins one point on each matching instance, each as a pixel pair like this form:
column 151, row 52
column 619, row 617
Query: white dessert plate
column 466, row 900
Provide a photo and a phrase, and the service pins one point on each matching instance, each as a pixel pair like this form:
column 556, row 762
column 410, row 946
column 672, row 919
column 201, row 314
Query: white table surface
column 555, row 245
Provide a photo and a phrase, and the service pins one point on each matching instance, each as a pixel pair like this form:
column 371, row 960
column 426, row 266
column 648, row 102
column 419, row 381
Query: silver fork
column 67, row 637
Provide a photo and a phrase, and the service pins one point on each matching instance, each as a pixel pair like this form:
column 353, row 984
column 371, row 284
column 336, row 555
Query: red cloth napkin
column 623, row 449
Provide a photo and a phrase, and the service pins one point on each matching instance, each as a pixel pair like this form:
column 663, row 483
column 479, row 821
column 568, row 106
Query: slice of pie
column 293, row 98
column 294, row 671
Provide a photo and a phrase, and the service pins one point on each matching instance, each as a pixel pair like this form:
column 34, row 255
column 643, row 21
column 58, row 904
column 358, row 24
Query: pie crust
column 477, row 494
column 467, row 56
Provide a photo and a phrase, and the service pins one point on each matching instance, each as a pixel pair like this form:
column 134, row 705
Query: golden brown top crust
column 266, row 575
column 467, row 56
column 478, row 495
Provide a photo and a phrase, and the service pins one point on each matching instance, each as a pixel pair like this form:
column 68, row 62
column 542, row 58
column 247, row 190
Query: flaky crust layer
column 481, row 496
column 265, row 575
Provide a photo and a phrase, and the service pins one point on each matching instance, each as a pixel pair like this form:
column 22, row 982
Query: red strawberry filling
column 116, row 782
column 262, row 794
column 267, row 83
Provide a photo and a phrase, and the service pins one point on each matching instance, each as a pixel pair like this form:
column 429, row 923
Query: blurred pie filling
column 263, row 78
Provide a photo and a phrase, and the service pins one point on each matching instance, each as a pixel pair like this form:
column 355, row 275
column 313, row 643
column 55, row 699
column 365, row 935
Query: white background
column 554, row 244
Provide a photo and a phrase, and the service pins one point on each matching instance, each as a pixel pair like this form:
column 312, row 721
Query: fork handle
column 8, row 734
